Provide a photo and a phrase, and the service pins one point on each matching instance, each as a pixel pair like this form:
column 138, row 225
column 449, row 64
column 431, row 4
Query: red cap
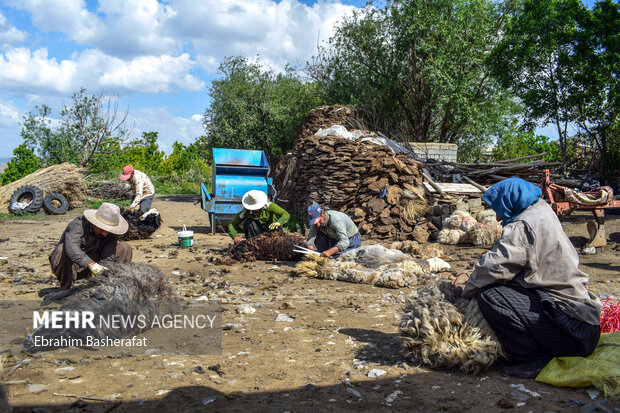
column 127, row 171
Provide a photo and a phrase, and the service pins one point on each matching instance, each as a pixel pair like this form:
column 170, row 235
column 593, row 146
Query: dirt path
column 319, row 361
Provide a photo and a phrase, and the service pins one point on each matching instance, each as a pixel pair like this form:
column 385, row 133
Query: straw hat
column 254, row 199
column 107, row 217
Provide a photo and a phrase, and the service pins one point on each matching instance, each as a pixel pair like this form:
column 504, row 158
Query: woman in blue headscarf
column 529, row 286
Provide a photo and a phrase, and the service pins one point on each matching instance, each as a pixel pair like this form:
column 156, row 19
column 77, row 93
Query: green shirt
column 269, row 214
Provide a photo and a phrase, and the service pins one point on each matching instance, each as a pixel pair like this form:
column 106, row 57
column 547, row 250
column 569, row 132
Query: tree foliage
column 83, row 131
column 515, row 143
column 416, row 70
column 596, row 92
column 533, row 60
column 24, row 162
column 254, row 108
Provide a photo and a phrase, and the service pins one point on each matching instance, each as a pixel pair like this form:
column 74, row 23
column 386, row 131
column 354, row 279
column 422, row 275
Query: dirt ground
column 318, row 362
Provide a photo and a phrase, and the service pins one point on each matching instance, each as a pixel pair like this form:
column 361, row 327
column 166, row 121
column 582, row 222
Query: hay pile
column 462, row 228
column 276, row 245
column 116, row 190
column 141, row 226
column 65, row 178
column 442, row 330
column 381, row 191
column 373, row 264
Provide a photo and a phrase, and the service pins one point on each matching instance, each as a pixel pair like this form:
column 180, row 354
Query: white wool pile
column 460, row 220
column 418, row 250
column 485, row 234
column 442, row 330
column 372, row 264
column 462, row 228
column 486, row 216
column 452, row 236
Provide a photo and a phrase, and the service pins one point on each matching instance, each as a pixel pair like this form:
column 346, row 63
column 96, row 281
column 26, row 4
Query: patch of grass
column 8, row 217
column 174, row 188
column 95, row 204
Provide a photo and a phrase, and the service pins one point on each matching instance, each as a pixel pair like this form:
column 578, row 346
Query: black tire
column 24, row 193
column 50, row 206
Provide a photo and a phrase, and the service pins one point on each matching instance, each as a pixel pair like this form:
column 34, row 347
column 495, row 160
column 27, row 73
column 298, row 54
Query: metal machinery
column 235, row 171
column 554, row 195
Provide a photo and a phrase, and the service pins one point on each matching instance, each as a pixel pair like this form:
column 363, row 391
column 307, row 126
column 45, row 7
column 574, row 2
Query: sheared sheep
column 418, row 250
column 442, row 330
column 373, row 264
column 127, row 289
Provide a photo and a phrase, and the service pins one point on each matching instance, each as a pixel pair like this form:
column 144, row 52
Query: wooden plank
column 432, row 183
column 451, row 188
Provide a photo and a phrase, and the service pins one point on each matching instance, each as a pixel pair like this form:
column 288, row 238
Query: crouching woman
column 529, row 287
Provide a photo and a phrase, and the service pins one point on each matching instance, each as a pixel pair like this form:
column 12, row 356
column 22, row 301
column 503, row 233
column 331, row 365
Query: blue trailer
column 235, row 171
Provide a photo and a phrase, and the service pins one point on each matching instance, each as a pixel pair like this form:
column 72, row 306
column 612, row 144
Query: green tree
column 515, row 143
column 416, row 70
column 52, row 146
column 596, row 92
column 85, row 126
column 534, row 60
column 254, row 108
column 23, row 162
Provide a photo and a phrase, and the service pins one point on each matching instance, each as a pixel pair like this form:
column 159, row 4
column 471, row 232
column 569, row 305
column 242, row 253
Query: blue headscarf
column 510, row 197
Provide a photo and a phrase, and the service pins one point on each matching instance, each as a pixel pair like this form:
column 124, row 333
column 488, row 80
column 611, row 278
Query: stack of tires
column 30, row 199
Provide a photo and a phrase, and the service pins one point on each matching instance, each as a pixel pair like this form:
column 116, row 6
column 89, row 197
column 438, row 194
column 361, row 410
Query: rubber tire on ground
column 49, row 207
column 27, row 190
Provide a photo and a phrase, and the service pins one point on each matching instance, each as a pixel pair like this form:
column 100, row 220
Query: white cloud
column 171, row 128
column 284, row 32
column 280, row 32
column 10, row 35
column 9, row 114
column 67, row 16
column 121, row 28
column 21, row 69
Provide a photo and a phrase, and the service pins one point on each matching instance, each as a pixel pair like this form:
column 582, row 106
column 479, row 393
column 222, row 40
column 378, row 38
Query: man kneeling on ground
column 331, row 232
column 90, row 244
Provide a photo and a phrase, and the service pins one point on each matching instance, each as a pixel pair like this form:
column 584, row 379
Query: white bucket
column 186, row 238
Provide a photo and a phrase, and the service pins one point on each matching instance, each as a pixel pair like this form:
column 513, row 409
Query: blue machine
column 235, row 172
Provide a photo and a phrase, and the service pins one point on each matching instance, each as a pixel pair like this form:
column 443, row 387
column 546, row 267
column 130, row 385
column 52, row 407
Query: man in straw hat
column 90, row 244
column 257, row 216
column 143, row 189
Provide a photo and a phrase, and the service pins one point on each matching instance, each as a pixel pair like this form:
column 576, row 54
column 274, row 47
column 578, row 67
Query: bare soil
column 318, row 362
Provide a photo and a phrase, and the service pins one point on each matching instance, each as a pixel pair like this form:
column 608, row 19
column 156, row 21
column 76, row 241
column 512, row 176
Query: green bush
column 24, row 162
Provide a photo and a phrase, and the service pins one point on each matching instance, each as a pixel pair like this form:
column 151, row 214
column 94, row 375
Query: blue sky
column 158, row 57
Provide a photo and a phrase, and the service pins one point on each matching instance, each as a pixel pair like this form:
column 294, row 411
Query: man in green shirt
column 257, row 216
column 331, row 232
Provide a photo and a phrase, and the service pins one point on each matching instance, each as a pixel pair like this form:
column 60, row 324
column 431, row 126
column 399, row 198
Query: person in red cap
column 143, row 189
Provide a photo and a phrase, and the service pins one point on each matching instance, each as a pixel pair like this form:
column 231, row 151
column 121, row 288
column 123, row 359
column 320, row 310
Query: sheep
column 127, row 289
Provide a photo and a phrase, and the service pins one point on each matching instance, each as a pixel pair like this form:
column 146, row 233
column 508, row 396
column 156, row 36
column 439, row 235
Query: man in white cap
column 257, row 216
column 90, row 244
column 143, row 189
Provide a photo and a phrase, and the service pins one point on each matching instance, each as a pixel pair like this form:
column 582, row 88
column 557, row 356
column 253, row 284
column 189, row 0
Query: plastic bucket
column 186, row 238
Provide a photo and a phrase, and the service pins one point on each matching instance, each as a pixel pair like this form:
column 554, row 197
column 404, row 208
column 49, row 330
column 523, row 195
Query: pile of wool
column 131, row 290
column 275, row 245
column 462, row 228
column 372, row 264
column 442, row 330
column 141, row 226
column 422, row 251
